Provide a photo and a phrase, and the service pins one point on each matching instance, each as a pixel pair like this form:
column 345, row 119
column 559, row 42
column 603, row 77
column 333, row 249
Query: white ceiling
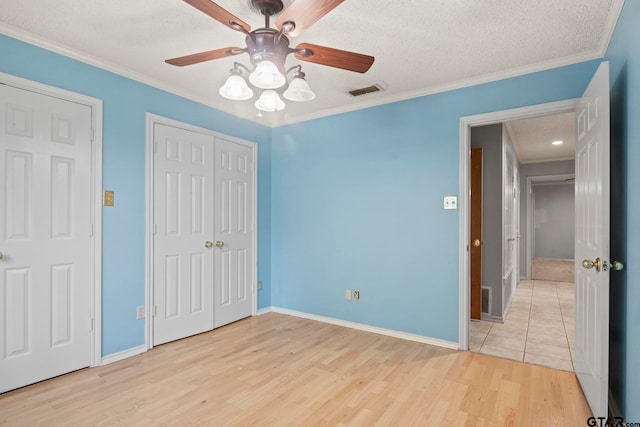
column 420, row 46
column 532, row 138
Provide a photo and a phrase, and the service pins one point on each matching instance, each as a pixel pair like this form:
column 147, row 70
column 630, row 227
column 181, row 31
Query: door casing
column 466, row 123
column 149, row 299
column 96, row 195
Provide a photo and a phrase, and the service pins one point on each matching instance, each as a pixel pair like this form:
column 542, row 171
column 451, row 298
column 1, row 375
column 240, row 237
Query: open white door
column 592, row 241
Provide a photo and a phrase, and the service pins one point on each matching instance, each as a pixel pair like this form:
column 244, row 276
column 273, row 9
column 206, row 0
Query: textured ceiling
column 420, row 46
column 532, row 138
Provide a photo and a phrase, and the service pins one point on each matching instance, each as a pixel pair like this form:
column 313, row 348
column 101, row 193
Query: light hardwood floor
column 277, row 370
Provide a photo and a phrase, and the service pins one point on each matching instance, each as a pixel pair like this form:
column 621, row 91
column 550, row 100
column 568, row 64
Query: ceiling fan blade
column 304, row 13
column 337, row 58
column 218, row 13
column 205, row 56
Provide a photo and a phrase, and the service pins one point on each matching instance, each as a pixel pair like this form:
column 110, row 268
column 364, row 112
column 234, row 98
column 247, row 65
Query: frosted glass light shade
column 267, row 76
column 236, row 88
column 269, row 101
column 299, row 90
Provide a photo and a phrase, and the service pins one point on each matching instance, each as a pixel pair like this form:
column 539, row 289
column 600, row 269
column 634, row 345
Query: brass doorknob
column 615, row 265
column 208, row 244
column 1, row 256
column 587, row 263
column 476, row 243
column 219, row 244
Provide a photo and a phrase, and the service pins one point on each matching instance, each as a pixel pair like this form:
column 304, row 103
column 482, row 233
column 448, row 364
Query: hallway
column 539, row 328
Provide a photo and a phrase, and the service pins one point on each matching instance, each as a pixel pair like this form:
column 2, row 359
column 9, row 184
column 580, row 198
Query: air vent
column 376, row 87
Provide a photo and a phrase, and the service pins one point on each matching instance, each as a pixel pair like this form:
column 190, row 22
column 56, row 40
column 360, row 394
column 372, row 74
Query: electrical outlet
column 259, row 285
column 140, row 312
column 356, row 295
column 451, row 202
column 347, row 294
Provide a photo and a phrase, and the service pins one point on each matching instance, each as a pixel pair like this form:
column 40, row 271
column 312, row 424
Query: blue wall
column 357, row 204
column 125, row 104
column 624, row 55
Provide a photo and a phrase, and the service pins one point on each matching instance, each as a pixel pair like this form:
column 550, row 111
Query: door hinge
column 155, row 147
column 155, row 228
column 93, row 134
column 91, row 325
column 155, row 310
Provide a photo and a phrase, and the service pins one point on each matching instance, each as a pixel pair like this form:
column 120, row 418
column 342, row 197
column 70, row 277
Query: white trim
column 152, row 119
column 125, row 354
column 264, row 310
column 529, row 214
column 367, row 328
column 610, row 26
column 464, row 201
column 283, row 120
column 96, row 195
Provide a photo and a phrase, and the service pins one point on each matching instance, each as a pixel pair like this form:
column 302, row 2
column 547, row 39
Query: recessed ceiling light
column 557, row 142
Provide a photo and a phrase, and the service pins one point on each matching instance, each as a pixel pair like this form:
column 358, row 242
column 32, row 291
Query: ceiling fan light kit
column 299, row 90
column 268, row 49
column 236, row 88
column 267, row 76
column 270, row 101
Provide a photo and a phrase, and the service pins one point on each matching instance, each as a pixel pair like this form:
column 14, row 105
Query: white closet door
column 183, row 239
column 235, row 227
column 45, row 237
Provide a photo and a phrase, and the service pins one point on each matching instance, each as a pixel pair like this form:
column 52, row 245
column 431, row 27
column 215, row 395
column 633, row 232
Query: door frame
column 95, row 105
column 466, row 123
column 151, row 120
column 531, row 180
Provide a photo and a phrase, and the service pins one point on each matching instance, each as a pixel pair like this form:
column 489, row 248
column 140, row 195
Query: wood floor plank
column 277, row 370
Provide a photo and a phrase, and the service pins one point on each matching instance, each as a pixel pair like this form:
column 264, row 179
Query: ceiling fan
column 268, row 48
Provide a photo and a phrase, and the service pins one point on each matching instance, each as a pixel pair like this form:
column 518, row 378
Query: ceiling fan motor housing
column 268, row 44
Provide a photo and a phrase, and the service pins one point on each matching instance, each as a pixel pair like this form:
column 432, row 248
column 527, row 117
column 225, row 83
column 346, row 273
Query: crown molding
column 86, row 58
column 610, row 26
column 460, row 84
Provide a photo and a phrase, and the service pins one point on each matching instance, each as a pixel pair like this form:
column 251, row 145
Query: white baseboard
column 368, row 328
column 121, row 355
column 491, row 318
column 264, row 310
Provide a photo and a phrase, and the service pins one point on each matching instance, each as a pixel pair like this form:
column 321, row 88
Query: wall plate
column 451, row 202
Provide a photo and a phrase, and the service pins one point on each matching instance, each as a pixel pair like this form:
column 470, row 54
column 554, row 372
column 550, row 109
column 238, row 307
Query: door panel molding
column 466, row 123
column 96, row 192
column 151, row 120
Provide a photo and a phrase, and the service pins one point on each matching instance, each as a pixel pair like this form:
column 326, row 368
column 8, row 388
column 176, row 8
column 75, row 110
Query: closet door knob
column 219, row 244
column 208, row 244
column 587, row 263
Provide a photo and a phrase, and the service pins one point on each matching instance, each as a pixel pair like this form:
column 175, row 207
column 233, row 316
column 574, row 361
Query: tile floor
column 539, row 328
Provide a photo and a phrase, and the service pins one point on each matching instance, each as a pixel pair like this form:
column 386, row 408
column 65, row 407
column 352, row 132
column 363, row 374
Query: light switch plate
column 451, row 202
column 108, row 198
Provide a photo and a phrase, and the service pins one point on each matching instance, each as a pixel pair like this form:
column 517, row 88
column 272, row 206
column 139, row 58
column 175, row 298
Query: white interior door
column 592, row 241
column 183, row 239
column 235, row 228
column 45, row 237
